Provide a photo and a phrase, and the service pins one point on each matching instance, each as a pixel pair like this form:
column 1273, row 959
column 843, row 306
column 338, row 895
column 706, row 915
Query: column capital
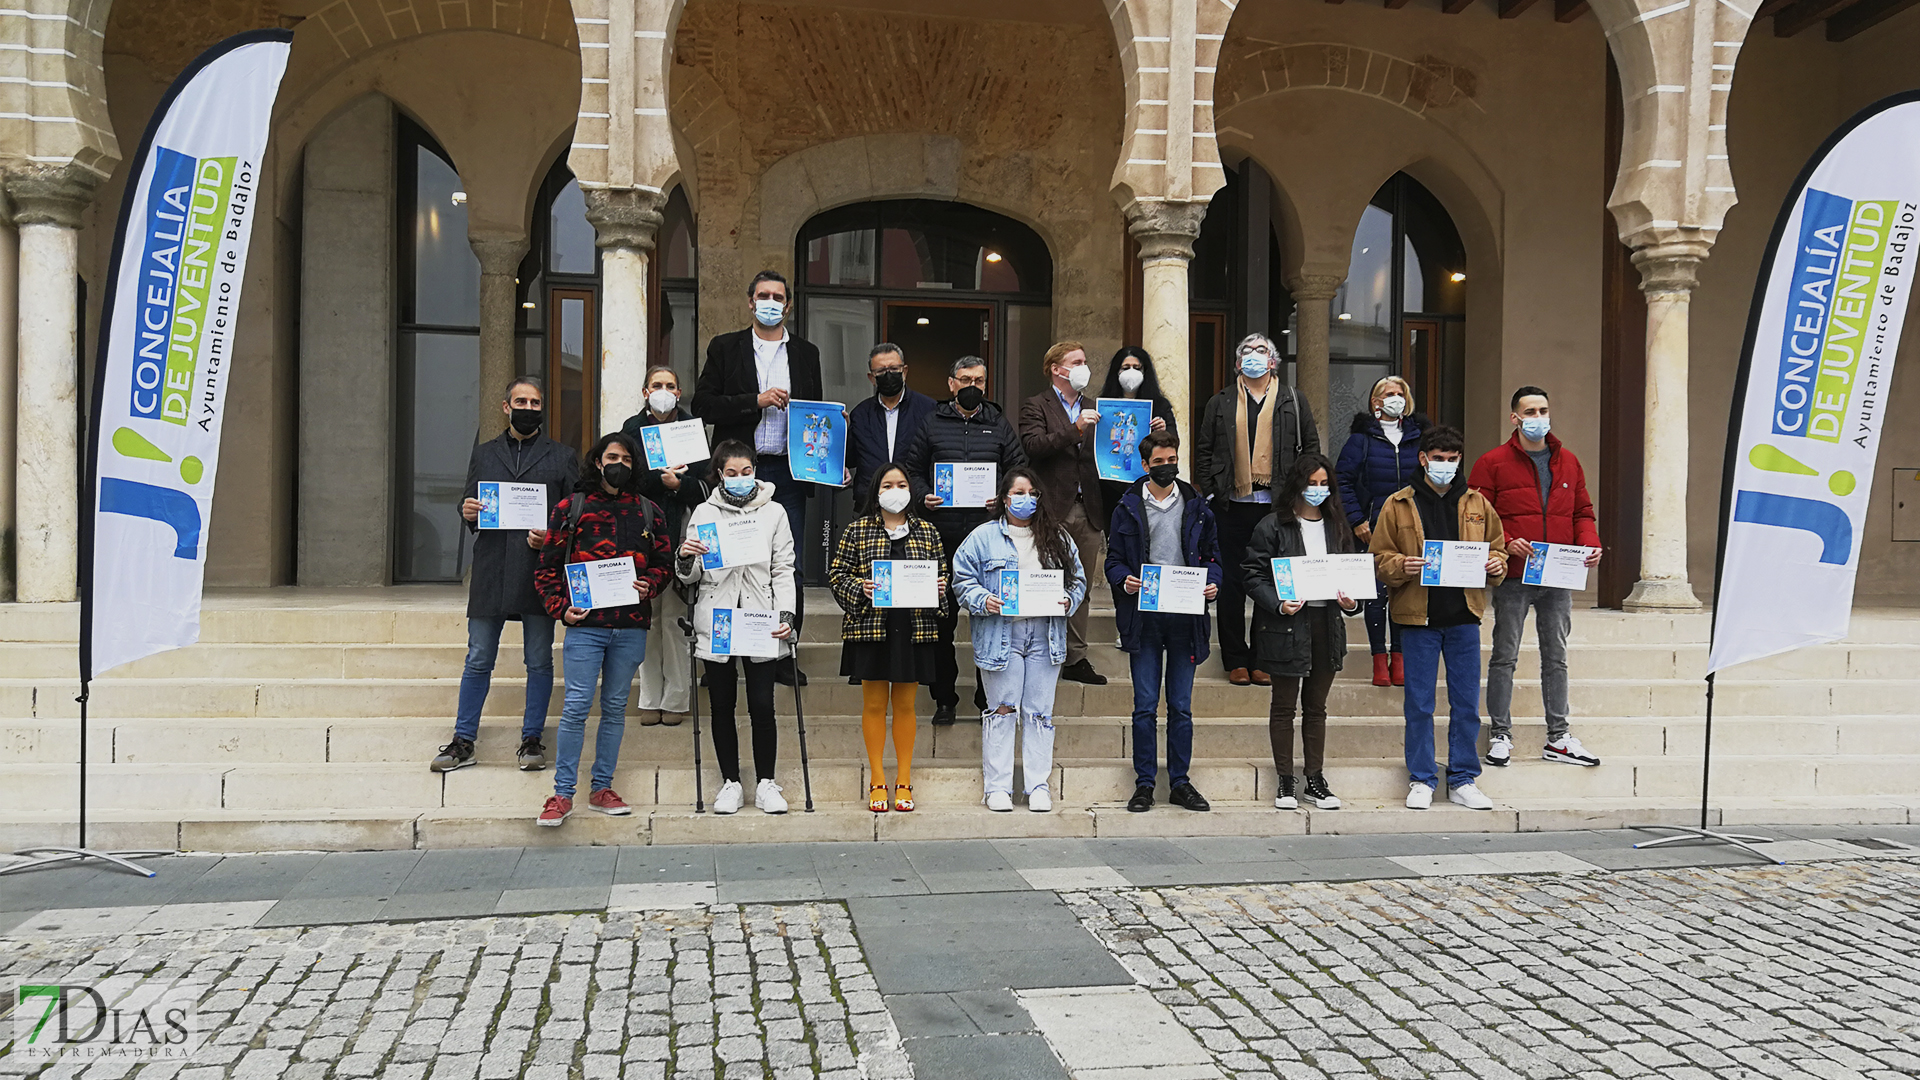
column 498, row 254
column 625, row 217
column 1669, row 266
column 50, row 196
column 1314, row 286
column 1165, row 230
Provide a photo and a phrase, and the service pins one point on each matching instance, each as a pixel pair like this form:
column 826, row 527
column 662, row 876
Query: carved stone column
column 626, row 221
column 1312, row 322
column 47, row 207
column 1166, row 232
column 499, row 302
column 1668, row 274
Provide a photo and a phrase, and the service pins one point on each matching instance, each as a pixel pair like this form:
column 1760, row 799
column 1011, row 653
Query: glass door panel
column 934, row 336
column 572, row 363
column 1207, row 363
column 441, row 381
column 1421, row 364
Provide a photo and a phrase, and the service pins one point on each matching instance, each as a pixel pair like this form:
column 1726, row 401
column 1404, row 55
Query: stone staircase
column 306, row 718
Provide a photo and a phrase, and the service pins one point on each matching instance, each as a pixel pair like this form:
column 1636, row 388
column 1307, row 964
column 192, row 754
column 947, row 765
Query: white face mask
column 1442, row 472
column 1078, row 377
column 1131, row 378
column 894, row 500
column 662, row 401
column 1393, row 405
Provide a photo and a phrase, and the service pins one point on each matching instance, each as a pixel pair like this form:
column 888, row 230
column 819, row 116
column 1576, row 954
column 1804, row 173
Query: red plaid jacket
column 610, row 526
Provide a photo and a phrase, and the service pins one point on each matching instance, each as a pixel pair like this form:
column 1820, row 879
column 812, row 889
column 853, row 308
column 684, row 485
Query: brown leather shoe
column 1261, row 678
column 1239, row 677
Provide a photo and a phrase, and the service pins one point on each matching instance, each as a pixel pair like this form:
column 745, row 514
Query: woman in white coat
column 765, row 582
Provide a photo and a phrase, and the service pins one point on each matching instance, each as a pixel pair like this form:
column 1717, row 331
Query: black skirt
column 896, row 659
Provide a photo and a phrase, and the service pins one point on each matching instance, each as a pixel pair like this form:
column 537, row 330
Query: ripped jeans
column 1027, row 683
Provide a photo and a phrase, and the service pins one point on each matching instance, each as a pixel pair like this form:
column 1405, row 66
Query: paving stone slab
column 1003, row 1057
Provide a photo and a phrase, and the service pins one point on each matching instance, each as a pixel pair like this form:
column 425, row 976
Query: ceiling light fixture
column 922, row 321
column 993, row 256
column 1458, row 276
column 1346, row 315
column 529, row 305
column 459, row 198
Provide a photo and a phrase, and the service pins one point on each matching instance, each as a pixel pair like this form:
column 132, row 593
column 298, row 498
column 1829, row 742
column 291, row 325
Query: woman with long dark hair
column 1019, row 656
column 890, row 650
column 1301, row 645
column 1130, row 374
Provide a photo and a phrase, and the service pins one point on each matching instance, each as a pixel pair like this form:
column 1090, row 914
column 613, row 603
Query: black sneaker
column 1142, row 800
column 1319, row 794
column 943, row 715
column 1082, row 671
column 532, row 756
column 1285, row 800
column 1189, row 797
column 457, row 754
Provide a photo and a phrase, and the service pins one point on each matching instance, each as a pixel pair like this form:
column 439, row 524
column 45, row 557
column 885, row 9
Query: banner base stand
column 1689, row 832
column 40, row 857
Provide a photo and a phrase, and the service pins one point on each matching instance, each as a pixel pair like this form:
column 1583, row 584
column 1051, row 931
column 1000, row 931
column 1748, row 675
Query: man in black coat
column 504, row 561
column 1249, row 437
column 968, row 428
column 882, row 427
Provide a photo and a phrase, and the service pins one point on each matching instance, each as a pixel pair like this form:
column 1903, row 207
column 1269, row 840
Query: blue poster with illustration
column 578, row 587
column 1149, row 588
column 1009, row 592
column 1116, row 438
column 489, row 496
column 1430, row 568
column 817, row 442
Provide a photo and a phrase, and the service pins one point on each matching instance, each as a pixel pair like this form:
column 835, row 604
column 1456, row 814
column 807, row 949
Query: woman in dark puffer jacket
column 1382, row 456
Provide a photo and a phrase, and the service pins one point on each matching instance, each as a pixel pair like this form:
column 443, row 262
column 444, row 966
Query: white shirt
column 770, row 364
column 1313, row 534
column 1022, row 537
column 893, row 423
column 1391, row 428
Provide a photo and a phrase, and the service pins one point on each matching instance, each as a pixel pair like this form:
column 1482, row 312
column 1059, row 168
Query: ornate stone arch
column 625, row 137
column 56, row 128
column 1169, row 51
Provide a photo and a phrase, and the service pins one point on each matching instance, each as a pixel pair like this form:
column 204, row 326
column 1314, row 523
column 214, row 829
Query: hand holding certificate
column 602, row 583
column 679, row 443
column 734, row 540
column 1176, row 590
column 906, row 583
column 744, row 632
column 1033, row 594
column 1557, row 566
column 512, row 506
column 1324, row 577
column 965, row 483
column 1454, row 564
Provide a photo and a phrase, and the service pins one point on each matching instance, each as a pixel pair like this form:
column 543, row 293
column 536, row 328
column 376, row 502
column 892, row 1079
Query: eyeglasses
column 971, row 380
column 1251, row 350
column 900, row 370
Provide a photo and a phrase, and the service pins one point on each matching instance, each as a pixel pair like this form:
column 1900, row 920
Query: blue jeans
column 1423, row 648
column 587, row 655
column 483, row 648
column 1164, row 641
column 1027, row 683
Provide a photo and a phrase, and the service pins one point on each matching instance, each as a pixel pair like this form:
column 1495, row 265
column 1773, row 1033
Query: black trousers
column 1236, row 523
column 723, row 691
column 1311, row 695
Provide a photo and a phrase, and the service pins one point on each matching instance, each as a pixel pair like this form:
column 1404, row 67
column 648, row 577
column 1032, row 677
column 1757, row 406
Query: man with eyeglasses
column 880, row 428
column 1250, row 435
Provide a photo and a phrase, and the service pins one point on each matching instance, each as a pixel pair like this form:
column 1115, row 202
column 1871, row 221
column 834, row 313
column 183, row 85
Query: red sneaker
column 1380, row 676
column 556, row 810
column 607, row 801
column 1398, row 670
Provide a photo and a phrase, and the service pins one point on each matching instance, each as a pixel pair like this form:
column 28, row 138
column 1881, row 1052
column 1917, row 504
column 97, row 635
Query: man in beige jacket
column 1439, row 622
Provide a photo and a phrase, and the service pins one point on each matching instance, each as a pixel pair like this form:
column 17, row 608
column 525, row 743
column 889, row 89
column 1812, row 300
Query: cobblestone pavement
column 1809, row 970
column 1801, row 971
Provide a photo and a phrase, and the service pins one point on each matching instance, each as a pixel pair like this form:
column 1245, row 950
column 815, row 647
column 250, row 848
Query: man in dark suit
column 1056, row 425
column 504, row 561
column 882, row 427
column 743, row 391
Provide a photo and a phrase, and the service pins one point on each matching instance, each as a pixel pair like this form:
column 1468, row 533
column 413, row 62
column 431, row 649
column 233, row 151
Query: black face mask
column 970, row 397
column 619, row 474
column 890, row 383
column 1164, row 475
column 527, row 421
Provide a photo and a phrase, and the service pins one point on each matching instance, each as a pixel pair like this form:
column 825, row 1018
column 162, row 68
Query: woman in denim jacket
column 1019, row 658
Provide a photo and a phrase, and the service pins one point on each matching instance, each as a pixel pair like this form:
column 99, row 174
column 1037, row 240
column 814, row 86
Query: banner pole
column 1706, row 753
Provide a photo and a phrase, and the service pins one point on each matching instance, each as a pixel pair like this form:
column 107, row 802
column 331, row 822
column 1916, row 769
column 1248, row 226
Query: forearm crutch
column 693, row 694
column 800, row 716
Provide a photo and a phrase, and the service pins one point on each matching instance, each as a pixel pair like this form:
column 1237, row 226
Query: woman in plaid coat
column 890, row 649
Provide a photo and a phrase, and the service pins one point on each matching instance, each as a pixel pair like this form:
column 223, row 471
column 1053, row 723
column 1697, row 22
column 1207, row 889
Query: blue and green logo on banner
column 1836, row 268
column 186, row 209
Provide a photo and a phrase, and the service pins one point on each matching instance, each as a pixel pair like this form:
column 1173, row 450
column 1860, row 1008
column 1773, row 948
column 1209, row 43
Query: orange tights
column 873, row 725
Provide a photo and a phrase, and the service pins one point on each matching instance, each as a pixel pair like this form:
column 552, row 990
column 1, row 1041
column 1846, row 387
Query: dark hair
column 1339, row 536
column 769, row 275
column 525, row 380
column 883, row 348
column 1442, row 437
column 1155, row 440
column 961, row 364
column 1525, row 391
column 1149, row 383
column 1049, row 536
column 871, row 504
column 656, row 369
column 590, row 469
column 725, row 452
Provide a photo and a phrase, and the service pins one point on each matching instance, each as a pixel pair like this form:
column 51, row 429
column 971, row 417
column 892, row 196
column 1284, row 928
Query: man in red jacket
column 1537, row 487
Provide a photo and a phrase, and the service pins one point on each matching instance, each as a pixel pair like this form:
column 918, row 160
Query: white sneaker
column 1567, row 749
column 999, row 802
column 1500, row 750
column 1419, row 796
column 1470, row 797
column 767, row 797
column 1039, row 800
column 729, row 799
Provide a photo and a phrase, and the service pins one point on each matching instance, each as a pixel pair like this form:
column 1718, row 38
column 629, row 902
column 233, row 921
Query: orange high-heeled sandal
column 903, row 802
column 878, row 803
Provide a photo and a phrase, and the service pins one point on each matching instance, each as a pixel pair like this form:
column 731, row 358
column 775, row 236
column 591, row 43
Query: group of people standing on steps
column 1262, row 489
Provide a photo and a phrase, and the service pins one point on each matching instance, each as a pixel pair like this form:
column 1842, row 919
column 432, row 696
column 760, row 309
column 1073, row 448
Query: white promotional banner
column 1812, row 390
column 166, row 344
